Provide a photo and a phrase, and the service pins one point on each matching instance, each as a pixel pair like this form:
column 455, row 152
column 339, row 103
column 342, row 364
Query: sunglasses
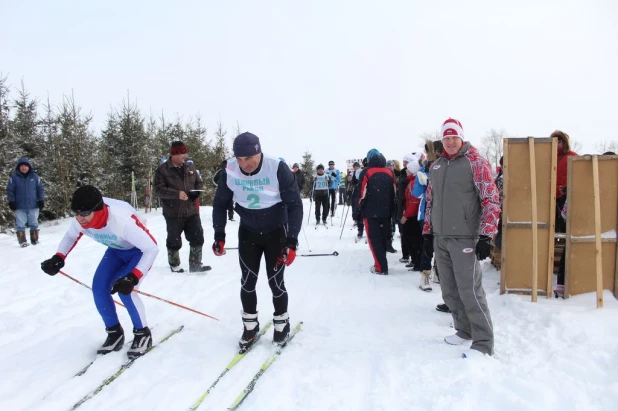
column 85, row 213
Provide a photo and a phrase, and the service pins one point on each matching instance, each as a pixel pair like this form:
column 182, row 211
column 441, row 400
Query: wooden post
column 597, row 229
column 552, row 218
column 567, row 244
column 534, row 221
column 505, row 182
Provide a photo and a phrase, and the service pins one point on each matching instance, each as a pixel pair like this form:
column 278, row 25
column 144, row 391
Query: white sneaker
column 425, row 284
column 472, row 354
column 455, row 340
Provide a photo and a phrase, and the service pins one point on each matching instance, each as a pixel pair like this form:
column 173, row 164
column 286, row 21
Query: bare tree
column 605, row 146
column 576, row 146
column 492, row 146
column 433, row 136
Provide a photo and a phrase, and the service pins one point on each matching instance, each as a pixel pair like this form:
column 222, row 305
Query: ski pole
column 347, row 211
column 147, row 295
column 80, row 283
column 307, row 241
column 173, row 303
column 334, row 253
column 312, row 199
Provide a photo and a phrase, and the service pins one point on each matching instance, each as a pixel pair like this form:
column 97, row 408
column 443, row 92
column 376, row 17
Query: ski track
column 368, row 342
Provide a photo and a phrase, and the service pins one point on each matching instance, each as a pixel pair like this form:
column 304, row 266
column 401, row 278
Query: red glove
column 218, row 247
column 288, row 254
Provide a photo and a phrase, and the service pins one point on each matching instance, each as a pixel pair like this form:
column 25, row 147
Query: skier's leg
column 250, row 250
column 102, row 282
column 132, row 302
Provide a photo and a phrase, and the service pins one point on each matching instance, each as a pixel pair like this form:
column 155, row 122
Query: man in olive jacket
column 178, row 185
column 461, row 218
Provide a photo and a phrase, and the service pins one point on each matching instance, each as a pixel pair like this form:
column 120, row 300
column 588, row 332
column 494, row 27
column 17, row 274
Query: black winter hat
column 320, row 166
column 87, row 198
column 246, row 145
column 295, row 165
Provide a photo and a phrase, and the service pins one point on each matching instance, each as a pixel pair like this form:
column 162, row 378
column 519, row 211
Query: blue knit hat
column 246, row 145
column 372, row 153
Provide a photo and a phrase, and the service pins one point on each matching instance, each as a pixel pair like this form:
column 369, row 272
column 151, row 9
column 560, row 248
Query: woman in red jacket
column 564, row 151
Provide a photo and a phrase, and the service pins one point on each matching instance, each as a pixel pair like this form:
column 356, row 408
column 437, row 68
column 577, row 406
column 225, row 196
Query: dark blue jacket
column 26, row 190
column 267, row 219
column 376, row 190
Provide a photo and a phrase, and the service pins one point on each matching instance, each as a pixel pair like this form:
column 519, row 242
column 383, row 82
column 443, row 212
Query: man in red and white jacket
column 461, row 217
column 131, row 252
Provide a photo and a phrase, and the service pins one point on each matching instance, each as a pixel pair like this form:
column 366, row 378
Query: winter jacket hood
column 25, row 161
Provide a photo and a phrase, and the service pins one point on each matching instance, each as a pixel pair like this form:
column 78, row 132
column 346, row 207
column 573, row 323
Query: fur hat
column 561, row 135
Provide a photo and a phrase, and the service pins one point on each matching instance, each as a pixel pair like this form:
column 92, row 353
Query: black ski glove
column 194, row 194
column 125, row 285
column 428, row 245
column 41, row 204
column 482, row 247
column 53, row 265
column 13, row 205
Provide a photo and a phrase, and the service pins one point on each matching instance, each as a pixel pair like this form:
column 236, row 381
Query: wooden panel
column 517, row 214
column 581, row 259
column 519, row 257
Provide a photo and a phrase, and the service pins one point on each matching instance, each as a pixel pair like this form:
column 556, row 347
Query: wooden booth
column 528, row 216
column 592, row 221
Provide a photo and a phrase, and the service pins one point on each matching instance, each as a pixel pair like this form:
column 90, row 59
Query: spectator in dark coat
column 26, row 198
column 375, row 205
column 300, row 177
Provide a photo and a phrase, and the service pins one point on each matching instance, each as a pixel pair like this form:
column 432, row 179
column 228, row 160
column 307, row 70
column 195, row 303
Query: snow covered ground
column 368, row 342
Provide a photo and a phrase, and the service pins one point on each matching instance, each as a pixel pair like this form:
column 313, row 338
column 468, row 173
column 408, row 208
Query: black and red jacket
column 377, row 190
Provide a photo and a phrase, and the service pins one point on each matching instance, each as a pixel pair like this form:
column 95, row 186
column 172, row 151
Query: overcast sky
column 336, row 78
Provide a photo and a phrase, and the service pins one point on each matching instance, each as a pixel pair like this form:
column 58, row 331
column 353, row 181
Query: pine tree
column 307, row 168
column 8, row 150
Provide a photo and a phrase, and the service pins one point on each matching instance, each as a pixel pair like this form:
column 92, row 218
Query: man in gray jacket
column 461, row 218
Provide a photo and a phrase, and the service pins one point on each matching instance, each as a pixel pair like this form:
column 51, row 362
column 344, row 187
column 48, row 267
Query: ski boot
column 114, row 341
column 142, row 342
column 389, row 248
column 282, row 329
column 251, row 331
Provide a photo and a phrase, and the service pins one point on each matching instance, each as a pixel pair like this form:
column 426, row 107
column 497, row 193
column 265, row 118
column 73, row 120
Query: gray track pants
column 462, row 290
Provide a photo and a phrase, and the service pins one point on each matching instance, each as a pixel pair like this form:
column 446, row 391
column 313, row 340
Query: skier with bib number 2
column 262, row 188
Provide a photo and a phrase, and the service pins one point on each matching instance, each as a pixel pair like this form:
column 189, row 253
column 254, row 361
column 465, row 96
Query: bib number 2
column 254, row 201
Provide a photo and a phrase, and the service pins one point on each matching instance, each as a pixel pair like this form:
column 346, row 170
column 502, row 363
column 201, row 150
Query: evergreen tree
column 8, row 150
column 308, row 168
column 24, row 125
column 70, row 155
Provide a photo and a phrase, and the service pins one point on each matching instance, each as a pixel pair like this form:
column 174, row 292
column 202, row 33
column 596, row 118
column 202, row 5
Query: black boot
column 282, row 328
column 142, row 342
column 390, row 249
column 114, row 341
column 250, row 332
column 195, row 260
column 443, row 308
column 173, row 258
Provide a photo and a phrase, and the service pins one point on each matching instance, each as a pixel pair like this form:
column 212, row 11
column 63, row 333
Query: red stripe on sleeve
column 143, row 227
